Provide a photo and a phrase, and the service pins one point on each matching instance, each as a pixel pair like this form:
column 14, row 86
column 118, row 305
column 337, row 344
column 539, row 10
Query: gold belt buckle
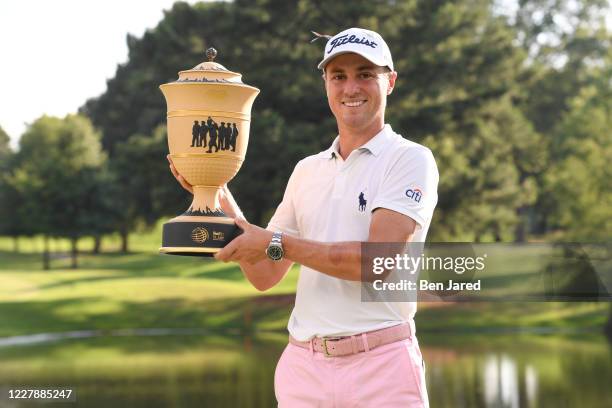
column 325, row 351
column 325, row 340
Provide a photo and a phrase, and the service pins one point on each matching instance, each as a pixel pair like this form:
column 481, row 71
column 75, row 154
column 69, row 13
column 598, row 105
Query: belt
column 357, row 343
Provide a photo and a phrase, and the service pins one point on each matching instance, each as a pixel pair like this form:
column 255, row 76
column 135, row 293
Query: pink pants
column 389, row 376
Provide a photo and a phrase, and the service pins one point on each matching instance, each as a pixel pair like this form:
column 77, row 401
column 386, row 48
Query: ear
column 325, row 83
column 392, row 77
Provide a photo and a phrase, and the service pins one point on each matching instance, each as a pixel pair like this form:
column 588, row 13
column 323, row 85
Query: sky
column 57, row 54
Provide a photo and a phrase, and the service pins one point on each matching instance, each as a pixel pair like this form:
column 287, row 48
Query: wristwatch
column 275, row 247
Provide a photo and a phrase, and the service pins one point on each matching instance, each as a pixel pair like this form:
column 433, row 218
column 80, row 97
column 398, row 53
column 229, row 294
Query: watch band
column 277, row 238
column 275, row 251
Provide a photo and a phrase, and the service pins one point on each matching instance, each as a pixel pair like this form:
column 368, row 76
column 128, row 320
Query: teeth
column 354, row 104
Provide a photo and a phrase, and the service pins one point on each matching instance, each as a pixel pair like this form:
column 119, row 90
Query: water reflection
column 234, row 371
column 531, row 384
column 500, row 381
column 516, row 371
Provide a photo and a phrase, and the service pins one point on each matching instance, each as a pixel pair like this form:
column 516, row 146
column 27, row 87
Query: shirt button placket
column 340, row 181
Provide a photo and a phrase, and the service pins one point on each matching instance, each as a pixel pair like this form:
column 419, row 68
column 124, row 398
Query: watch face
column 275, row 253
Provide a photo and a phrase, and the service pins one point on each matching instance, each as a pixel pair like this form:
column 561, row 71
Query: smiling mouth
column 354, row 104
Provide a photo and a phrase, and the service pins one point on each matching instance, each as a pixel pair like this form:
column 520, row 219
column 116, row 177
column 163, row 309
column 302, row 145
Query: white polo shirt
column 328, row 199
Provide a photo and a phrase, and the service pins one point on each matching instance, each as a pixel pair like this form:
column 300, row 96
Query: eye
column 337, row 76
column 366, row 75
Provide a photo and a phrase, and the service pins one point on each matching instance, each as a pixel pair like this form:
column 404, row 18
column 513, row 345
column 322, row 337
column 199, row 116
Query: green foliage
column 495, row 98
column 11, row 204
column 5, row 148
column 56, row 175
column 484, row 186
column 579, row 182
column 10, row 200
column 141, row 185
column 568, row 61
column 545, row 28
column 457, row 65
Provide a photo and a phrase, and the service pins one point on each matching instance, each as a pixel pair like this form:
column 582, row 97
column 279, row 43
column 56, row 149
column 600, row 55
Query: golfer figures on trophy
column 209, row 113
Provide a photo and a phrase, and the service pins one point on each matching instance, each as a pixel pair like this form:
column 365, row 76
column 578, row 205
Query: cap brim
column 326, row 60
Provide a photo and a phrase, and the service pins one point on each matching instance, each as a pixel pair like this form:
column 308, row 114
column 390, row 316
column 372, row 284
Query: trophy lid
column 210, row 71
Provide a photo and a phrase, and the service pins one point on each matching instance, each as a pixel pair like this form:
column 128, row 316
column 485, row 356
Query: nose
column 351, row 87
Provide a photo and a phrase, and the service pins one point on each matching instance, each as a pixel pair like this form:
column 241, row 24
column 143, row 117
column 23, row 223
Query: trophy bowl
column 209, row 115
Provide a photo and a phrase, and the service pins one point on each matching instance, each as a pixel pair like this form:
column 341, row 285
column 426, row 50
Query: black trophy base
column 197, row 235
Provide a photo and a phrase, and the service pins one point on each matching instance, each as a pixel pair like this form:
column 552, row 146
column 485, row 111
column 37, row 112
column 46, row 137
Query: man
column 234, row 137
column 203, row 132
column 344, row 352
column 222, row 136
column 213, row 130
column 195, row 132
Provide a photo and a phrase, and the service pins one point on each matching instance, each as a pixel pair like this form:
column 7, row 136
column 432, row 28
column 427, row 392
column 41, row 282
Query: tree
column 5, row 149
column 141, row 185
column 545, row 28
column 56, row 173
column 10, row 200
column 458, row 69
column 578, row 184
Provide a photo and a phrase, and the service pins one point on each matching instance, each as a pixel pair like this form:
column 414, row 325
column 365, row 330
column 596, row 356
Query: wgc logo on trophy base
column 209, row 113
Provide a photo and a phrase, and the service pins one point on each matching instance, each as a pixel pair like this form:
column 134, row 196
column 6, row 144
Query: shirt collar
column 378, row 143
column 375, row 145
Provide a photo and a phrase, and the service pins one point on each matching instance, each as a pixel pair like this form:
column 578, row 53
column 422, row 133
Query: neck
column 351, row 139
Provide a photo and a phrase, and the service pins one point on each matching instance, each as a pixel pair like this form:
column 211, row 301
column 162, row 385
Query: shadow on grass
column 124, row 266
column 229, row 274
column 85, row 279
column 20, row 261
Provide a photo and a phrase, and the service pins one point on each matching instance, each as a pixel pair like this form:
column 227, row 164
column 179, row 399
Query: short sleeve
column 284, row 218
column 410, row 187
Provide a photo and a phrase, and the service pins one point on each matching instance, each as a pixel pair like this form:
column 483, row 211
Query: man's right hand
column 178, row 177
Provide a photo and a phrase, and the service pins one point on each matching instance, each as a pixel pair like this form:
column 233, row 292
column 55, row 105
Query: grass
column 136, row 290
column 143, row 289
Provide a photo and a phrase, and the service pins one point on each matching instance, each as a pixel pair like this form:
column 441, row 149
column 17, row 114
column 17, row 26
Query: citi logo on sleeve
column 345, row 39
column 414, row 194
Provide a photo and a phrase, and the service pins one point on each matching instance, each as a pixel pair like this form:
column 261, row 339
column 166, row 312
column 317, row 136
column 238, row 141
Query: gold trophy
column 209, row 113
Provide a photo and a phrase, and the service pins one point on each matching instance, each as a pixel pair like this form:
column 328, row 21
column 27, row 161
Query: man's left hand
column 250, row 246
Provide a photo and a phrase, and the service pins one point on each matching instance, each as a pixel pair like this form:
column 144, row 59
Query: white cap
column 366, row 43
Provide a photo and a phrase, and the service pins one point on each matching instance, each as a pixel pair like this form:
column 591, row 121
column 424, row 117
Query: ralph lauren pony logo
column 345, row 39
column 362, row 202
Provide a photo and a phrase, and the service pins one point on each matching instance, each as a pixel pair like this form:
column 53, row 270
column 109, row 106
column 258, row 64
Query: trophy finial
column 211, row 53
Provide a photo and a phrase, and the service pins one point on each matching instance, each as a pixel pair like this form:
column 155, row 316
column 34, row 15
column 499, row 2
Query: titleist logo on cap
column 345, row 39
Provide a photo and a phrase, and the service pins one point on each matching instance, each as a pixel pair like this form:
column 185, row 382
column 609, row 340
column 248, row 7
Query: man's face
column 357, row 92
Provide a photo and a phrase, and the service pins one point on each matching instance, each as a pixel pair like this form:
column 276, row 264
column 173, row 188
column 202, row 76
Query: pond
column 160, row 369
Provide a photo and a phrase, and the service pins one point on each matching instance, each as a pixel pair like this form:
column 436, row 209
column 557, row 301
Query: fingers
column 226, row 204
column 185, row 184
column 241, row 223
column 182, row 181
column 175, row 173
column 225, row 254
column 172, row 168
column 178, row 177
